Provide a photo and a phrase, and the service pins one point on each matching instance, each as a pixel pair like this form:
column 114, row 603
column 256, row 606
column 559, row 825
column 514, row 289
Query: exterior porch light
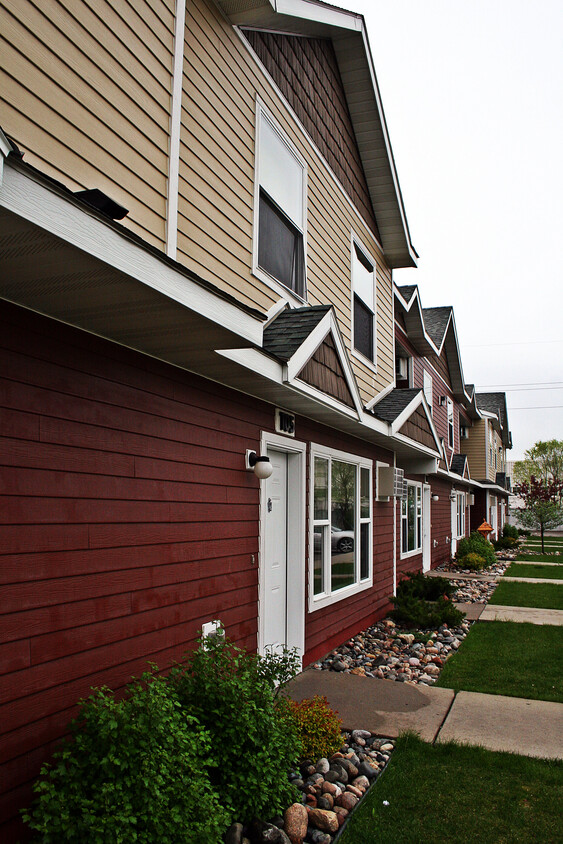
column 435, row 497
column 261, row 466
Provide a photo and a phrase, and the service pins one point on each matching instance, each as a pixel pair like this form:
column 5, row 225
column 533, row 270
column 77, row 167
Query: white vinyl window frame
column 363, row 288
column 451, row 427
column 411, row 520
column 428, row 387
column 460, row 515
column 266, row 124
column 322, row 527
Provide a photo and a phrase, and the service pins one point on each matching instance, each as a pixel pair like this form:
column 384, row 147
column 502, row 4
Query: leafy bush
column 255, row 739
column 505, row 543
column 510, row 531
column 319, row 727
column 475, row 544
column 425, row 602
column 136, row 770
column 473, row 561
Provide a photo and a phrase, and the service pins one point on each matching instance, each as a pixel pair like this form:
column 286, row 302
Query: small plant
column 510, row 531
column 475, row 544
column 473, row 561
column 424, row 602
column 255, row 741
column 319, row 727
column 136, row 770
column 505, row 543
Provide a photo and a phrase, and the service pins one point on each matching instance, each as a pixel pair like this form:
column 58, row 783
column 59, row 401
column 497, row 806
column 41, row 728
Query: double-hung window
column 450, row 423
column 363, row 302
column 281, row 177
column 411, row 520
column 460, row 514
column 341, row 524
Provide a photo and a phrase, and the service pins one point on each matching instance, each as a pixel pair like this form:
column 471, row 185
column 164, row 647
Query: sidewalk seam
column 445, row 718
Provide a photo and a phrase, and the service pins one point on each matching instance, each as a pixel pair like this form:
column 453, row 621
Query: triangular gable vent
column 324, row 371
column 417, row 428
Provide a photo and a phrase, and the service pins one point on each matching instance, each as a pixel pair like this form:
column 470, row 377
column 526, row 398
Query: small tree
column 543, row 460
column 543, row 509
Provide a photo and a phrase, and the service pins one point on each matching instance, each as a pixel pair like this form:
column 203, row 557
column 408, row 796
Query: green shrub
column 319, row 727
column 505, row 543
column 255, row 740
column 475, row 544
column 135, row 770
column 510, row 531
column 473, row 561
column 424, row 602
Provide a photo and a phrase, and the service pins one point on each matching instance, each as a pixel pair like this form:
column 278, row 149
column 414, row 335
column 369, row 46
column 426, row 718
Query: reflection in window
column 341, row 513
column 411, row 519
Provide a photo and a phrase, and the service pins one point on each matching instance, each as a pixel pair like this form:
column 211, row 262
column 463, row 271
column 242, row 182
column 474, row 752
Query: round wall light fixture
column 260, row 465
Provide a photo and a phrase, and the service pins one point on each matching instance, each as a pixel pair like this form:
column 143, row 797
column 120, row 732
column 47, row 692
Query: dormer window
column 281, row 177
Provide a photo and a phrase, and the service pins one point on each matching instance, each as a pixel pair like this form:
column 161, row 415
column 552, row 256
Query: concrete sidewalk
column 532, row 580
column 496, row 612
column 387, row 708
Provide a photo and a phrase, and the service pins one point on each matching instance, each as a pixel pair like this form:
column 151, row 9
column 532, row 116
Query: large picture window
column 363, row 286
column 411, row 519
column 281, row 211
column 341, row 524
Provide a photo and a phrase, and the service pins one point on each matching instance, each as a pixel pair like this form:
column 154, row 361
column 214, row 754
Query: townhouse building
column 204, row 411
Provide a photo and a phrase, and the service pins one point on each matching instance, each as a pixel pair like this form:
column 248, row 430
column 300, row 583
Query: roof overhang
column 347, row 30
column 64, row 259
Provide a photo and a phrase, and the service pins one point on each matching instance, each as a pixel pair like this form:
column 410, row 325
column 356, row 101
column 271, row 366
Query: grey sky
column 473, row 96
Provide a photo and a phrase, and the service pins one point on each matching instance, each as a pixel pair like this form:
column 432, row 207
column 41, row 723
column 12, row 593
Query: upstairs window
column 281, row 209
column 428, row 389
column 363, row 287
column 450, row 423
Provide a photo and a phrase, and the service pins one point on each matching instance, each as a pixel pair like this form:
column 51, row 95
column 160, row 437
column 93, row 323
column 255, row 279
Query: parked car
column 341, row 541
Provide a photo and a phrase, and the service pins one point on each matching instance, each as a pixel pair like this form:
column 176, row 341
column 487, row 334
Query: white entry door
column 275, row 556
column 426, row 529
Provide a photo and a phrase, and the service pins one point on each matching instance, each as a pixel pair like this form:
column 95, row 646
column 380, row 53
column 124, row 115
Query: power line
column 526, row 389
column 518, row 384
column 520, row 343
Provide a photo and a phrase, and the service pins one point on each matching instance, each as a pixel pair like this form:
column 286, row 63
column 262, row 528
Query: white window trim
column 372, row 364
column 406, row 554
column 428, row 388
column 284, row 292
column 460, row 510
column 451, row 428
column 317, row 602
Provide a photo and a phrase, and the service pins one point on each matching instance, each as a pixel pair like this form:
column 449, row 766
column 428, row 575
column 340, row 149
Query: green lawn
column 538, row 558
column 531, row 570
column 547, row 596
column 458, row 794
column 508, row 658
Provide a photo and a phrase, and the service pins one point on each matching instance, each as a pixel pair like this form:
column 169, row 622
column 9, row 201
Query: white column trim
column 175, row 125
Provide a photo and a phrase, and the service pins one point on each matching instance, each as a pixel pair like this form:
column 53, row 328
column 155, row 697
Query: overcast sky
column 473, row 97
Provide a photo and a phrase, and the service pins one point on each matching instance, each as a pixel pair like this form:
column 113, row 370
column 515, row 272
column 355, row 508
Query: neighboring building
column 200, row 215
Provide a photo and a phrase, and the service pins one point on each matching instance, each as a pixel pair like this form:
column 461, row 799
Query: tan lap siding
column 87, row 109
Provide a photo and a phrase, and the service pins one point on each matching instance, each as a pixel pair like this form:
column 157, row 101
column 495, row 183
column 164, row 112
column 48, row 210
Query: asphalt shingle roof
column 407, row 291
column 457, row 465
column 394, row 403
column 435, row 322
column 288, row 331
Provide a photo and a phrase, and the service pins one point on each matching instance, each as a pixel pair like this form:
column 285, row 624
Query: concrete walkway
column 497, row 722
column 533, row 580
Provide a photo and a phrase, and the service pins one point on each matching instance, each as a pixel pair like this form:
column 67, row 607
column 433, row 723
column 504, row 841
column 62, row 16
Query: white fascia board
column 418, row 400
column 318, row 12
column 322, row 398
column 68, row 220
column 327, row 325
column 381, row 395
column 419, row 447
column 256, row 361
column 5, row 149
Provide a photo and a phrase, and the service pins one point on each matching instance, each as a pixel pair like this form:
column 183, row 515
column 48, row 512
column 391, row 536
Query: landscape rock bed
column 386, row 652
column 330, row 790
column 497, row 570
column 473, row 591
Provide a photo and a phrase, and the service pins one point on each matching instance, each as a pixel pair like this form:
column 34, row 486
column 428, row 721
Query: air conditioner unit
column 464, row 432
column 402, row 368
column 391, row 482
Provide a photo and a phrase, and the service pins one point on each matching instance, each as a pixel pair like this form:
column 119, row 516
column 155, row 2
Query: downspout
column 175, row 125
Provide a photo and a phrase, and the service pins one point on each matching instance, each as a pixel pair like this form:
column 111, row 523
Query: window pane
column 343, row 521
column 281, row 175
column 364, row 493
column 362, row 277
column 363, row 328
column 321, row 489
column 411, row 516
column 365, row 535
column 319, row 545
column 280, row 247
